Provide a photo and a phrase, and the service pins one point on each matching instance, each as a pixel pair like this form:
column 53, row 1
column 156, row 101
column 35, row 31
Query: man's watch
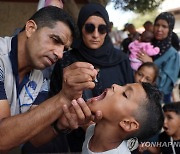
column 58, row 131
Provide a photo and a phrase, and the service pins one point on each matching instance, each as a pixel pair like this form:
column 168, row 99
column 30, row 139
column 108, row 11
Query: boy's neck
column 105, row 138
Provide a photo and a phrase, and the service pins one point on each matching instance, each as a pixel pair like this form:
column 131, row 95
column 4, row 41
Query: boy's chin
column 168, row 133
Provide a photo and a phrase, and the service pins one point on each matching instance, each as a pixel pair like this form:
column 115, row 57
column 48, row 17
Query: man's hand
column 77, row 115
column 77, row 77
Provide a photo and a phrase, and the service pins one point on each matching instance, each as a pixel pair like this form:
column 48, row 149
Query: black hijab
column 106, row 55
column 165, row 44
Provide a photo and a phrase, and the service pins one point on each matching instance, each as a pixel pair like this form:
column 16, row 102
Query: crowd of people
column 67, row 87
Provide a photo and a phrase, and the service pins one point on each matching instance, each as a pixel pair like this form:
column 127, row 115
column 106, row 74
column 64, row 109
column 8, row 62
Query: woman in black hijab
column 94, row 46
column 167, row 60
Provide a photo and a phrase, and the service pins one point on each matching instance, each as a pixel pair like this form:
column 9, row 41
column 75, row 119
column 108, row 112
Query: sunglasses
column 102, row 29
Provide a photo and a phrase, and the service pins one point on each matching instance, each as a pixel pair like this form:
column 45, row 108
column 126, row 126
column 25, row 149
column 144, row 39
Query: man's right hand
column 77, row 77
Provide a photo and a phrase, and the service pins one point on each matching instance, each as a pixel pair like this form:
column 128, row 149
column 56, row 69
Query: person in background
column 148, row 26
column 132, row 36
column 128, row 111
column 117, row 36
column 113, row 35
column 22, row 57
column 144, row 43
column 57, row 3
column 93, row 46
column 147, row 72
column 170, row 137
column 167, row 60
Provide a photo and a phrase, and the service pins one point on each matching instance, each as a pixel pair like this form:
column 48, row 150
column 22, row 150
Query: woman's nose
column 96, row 33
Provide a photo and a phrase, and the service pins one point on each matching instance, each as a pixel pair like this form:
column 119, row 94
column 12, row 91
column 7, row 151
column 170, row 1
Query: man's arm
column 15, row 130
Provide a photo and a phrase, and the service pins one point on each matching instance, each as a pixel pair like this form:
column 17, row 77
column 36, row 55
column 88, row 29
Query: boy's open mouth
column 100, row 97
column 165, row 128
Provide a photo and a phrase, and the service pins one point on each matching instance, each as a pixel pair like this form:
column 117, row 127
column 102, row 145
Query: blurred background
column 14, row 13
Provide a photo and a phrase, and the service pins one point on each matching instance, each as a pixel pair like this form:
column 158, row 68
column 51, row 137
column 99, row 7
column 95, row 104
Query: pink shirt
column 137, row 46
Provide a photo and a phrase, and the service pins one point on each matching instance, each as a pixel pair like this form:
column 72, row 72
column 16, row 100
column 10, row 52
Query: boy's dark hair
column 172, row 107
column 149, row 114
column 48, row 16
column 153, row 65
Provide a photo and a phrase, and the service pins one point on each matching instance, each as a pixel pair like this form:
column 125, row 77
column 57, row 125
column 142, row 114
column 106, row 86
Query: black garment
column 120, row 73
column 58, row 144
column 175, row 41
column 166, row 147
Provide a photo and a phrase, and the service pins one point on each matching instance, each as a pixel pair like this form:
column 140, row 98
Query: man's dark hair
column 172, row 107
column 50, row 15
column 149, row 114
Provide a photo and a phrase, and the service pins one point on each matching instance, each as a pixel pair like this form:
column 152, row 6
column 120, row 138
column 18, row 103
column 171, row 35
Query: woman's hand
column 142, row 56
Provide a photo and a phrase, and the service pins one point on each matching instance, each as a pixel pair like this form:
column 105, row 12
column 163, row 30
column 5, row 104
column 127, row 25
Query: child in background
column 170, row 138
column 142, row 45
column 147, row 72
column 126, row 114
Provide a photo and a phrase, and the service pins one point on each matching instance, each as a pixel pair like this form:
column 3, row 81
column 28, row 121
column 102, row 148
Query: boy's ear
column 30, row 27
column 129, row 125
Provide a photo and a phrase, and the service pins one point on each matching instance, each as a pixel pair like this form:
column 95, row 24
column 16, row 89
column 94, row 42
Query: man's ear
column 129, row 125
column 30, row 27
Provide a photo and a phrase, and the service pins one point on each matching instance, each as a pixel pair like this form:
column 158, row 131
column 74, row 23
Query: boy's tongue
column 97, row 98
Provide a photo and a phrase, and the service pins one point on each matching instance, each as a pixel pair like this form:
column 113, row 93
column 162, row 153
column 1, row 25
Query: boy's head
column 133, row 109
column 147, row 36
column 172, row 119
column 150, row 114
column 147, row 72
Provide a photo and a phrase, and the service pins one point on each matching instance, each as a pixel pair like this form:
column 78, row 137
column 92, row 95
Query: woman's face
column 161, row 29
column 94, row 39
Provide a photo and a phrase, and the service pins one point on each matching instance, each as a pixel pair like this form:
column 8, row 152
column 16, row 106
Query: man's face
column 118, row 102
column 95, row 39
column 171, row 123
column 46, row 45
